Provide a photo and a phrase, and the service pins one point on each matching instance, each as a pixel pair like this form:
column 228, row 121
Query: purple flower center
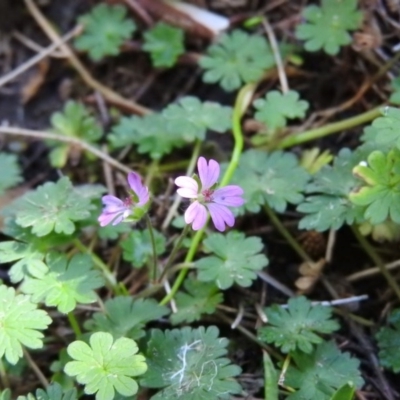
column 207, row 195
column 128, row 202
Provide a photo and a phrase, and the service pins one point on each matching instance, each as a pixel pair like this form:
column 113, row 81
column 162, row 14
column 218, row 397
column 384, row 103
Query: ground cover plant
column 199, row 200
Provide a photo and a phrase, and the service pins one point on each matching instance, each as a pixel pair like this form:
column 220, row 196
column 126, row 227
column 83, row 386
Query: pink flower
column 116, row 210
column 216, row 201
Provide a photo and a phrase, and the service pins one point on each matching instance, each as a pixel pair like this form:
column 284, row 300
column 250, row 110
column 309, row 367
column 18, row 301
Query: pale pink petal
column 229, row 196
column 208, row 174
column 143, row 196
column 188, row 187
column 105, row 218
column 135, row 182
column 221, row 216
column 109, row 200
column 197, row 214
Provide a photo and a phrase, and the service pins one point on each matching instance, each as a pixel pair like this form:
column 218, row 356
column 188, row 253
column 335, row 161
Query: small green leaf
column 52, row 392
column 389, row 343
column 52, row 207
column 329, row 206
column 346, row 392
column 164, row 43
column 76, row 121
column 5, row 394
column 127, row 317
column 20, row 324
column 298, row 326
column 9, row 163
column 193, row 118
column 327, row 26
column 66, row 283
column 276, row 108
column 137, row 247
column 29, row 260
column 237, row 57
column 381, row 191
column 150, row 133
column 275, row 179
column 236, row 259
column 201, row 298
column 105, row 29
column 271, row 391
column 106, row 366
column 384, row 130
column 395, row 96
column 319, row 374
column 188, row 364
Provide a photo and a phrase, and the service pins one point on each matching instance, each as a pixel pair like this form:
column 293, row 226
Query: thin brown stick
column 15, row 131
column 37, row 58
column 278, row 59
column 107, row 93
column 36, row 369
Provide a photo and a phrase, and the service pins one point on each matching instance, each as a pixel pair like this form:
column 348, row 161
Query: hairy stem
column 174, row 252
column 328, row 129
column 286, row 234
column 74, row 324
column 153, row 274
column 376, row 259
column 108, row 275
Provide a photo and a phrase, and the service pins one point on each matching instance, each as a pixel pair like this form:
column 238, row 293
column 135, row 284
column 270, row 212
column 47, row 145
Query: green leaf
column 346, row 392
column 5, row 394
column 330, row 207
column 112, row 232
column 52, row 207
column 188, row 364
column 381, row 190
column 66, row 283
column 271, row 390
column 28, row 251
column 127, row 317
column 20, row 324
column 29, row 260
column 201, row 298
column 106, row 366
column 275, row 179
column 319, row 374
column 150, row 133
column 384, row 130
column 327, row 26
column 105, row 29
column 389, row 342
column 164, row 43
column 52, row 392
column 298, row 326
column 9, row 163
column 237, row 57
column 236, row 259
column 137, row 247
column 395, row 96
column 193, row 118
column 74, row 121
column 276, row 108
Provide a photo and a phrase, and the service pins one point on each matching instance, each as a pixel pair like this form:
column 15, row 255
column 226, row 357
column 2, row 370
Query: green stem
column 153, row 272
column 328, row 129
column 286, row 234
column 242, row 101
column 174, row 252
column 376, row 259
column 109, row 276
column 74, row 324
